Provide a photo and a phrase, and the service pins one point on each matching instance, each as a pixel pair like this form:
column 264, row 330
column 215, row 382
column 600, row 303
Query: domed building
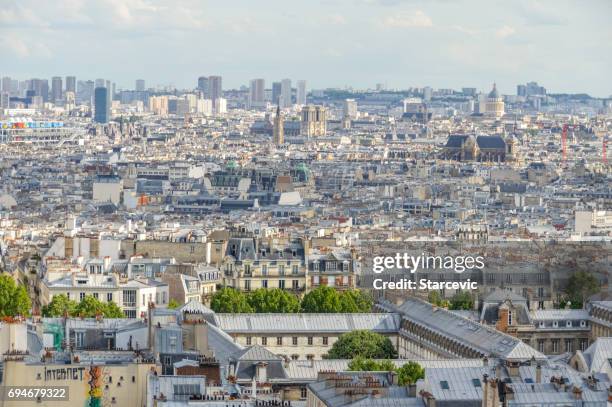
column 495, row 104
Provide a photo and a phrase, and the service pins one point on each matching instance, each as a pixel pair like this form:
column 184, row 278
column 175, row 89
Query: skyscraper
column 71, row 84
column 6, row 84
column 203, row 85
column 300, row 98
column 140, row 85
column 40, row 88
column 99, row 83
column 56, row 89
column 257, row 93
column 215, row 87
column 85, row 90
column 286, row 93
column 278, row 131
column 102, row 105
column 349, row 109
column 276, row 92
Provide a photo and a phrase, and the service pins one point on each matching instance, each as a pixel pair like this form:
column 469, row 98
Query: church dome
column 494, row 94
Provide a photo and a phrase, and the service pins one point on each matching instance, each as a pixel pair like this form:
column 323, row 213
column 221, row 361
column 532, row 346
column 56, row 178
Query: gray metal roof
column 300, row 323
column 480, row 337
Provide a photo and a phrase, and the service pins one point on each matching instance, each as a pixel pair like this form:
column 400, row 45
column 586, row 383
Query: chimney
column 538, row 373
column 107, row 262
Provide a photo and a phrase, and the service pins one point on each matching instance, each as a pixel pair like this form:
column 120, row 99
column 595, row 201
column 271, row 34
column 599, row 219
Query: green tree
column 173, row 304
column 112, row 310
column 368, row 365
column 14, row 299
column 273, row 300
column 366, row 344
column 229, row 300
column 322, row 299
column 355, row 301
column 580, row 286
column 59, row 306
column 462, row 301
column 435, row 298
column 409, row 373
column 89, row 307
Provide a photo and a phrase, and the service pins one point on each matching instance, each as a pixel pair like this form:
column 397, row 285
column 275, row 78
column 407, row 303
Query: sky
column 565, row 45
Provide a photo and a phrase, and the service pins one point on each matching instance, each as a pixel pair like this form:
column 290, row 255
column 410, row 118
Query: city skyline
column 335, row 44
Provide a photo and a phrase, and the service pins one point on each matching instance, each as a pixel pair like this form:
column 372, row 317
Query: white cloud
column 505, row 32
column 14, row 44
column 416, row 19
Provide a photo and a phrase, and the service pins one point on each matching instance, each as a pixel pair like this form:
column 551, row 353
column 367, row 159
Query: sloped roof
column 256, row 323
column 599, row 355
column 258, row 353
column 195, row 307
column 480, row 337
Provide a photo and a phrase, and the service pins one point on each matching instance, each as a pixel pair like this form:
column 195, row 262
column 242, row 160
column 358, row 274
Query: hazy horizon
column 563, row 45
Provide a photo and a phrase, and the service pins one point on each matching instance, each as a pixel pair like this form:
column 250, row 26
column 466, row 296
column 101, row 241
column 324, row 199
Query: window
column 264, row 283
column 294, row 340
column 109, row 297
column 476, row 382
column 281, row 270
column 79, row 339
column 186, row 390
column 295, row 357
column 310, row 340
column 295, row 284
column 582, row 324
column 309, row 357
column 163, row 297
column 247, row 269
column 281, row 284
column 264, row 340
column 295, row 269
column 569, row 345
column 279, row 340
column 247, row 285
column 444, row 385
column 303, row 392
column 509, row 317
column 555, row 324
column 541, row 345
column 584, row 344
column 248, row 340
column 81, row 296
column 264, row 270
column 540, row 292
column 143, row 300
column 325, row 340
column 96, row 296
column 555, row 346
column 568, row 324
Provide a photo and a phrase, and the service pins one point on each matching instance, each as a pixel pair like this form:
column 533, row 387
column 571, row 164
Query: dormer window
column 555, row 324
column 582, row 324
